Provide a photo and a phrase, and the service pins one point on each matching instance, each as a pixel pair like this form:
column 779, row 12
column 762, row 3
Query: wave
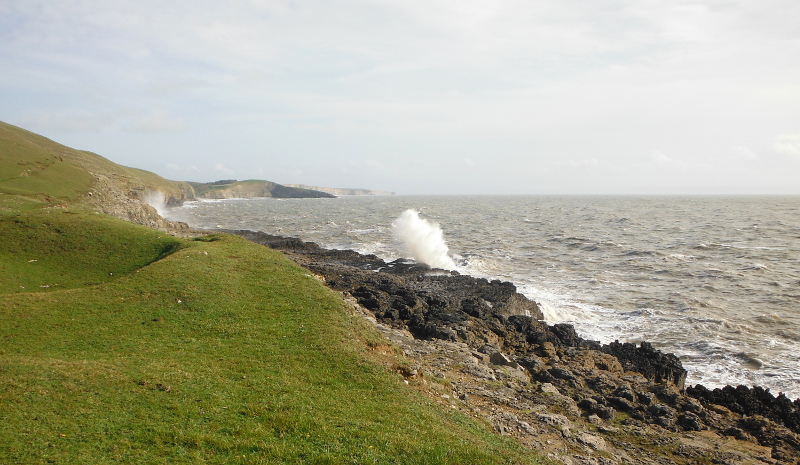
column 423, row 240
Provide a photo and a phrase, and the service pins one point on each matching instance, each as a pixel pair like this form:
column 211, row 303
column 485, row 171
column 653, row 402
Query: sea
column 714, row 280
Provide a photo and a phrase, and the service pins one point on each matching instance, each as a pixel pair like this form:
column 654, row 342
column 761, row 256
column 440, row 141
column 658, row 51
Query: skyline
column 435, row 97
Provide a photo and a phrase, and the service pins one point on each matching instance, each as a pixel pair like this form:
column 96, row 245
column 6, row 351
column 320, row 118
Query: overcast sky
column 419, row 96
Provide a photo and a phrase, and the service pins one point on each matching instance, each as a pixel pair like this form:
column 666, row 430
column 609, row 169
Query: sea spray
column 156, row 200
column 423, row 240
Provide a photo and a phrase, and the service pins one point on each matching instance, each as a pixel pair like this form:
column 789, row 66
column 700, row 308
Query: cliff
column 233, row 189
column 35, row 170
column 341, row 190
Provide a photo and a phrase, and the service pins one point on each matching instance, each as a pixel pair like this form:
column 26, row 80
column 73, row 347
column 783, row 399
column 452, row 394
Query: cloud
column 788, row 144
column 157, row 120
column 469, row 163
column 745, row 152
column 376, row 165
column 223, row 169
column 175, row 167
column 659, row 157
column 583, row 163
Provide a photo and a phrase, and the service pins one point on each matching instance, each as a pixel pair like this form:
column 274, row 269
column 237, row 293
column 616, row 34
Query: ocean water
column 715, row 280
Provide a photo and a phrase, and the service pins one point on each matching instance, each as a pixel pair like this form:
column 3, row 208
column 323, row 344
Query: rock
column 591, row 440
column 512, row 373
column 547, row 349
column 588, row 404
column 662, row 414
column 554, row 419
column 479, row 370
column 653, row 364
column 626, row 392
column 498, row 358
column 619, row 403
column 549, row 388
column 690, row 422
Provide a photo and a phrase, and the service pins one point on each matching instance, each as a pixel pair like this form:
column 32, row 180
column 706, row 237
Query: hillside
column 36, row 171
column 233, row 189
column 124, row 344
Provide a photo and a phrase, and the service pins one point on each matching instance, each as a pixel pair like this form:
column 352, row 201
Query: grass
column 37, row 171
column 61, row 249
column 197, row 351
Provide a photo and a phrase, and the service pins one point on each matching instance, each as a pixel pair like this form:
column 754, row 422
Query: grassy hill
column 231, row 188
column 119, row 343
column 36, row 171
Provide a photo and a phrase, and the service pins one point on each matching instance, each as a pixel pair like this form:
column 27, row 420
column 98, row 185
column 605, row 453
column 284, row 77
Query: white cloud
column 376, row 165
column 587, row 162
column 157, row 120
column 744, row 152
column 176, row 167
column 223, row 169
column 659, row 157
column 787, row 144
column 469, row 163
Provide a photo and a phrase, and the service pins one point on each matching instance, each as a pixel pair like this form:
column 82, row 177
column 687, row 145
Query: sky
column 419, row 96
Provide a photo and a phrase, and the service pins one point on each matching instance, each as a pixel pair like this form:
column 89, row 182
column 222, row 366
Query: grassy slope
column 36, row 170
column 145, row 348
column 223, row 352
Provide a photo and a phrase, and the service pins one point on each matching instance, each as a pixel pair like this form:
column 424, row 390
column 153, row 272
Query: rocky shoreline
column 479, row 346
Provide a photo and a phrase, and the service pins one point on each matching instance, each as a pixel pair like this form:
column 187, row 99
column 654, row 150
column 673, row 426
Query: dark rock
column 648, row 361
column 620, row 403
column 626, row 392
column 660, row 410
column 752, row 401
column 690, row 422
column 588, row 404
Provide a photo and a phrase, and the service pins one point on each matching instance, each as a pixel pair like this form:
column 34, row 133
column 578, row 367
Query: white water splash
column 423, row 240
column 156, row 200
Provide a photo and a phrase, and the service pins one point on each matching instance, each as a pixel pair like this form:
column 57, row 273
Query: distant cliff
column 341, row 190
column 231, row 188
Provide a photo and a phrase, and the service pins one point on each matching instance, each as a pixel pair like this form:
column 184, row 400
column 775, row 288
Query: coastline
column 543, row 383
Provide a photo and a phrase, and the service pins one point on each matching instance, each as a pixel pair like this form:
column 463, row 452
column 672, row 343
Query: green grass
column 205, row 351
column 37, row 171
column 51, row 249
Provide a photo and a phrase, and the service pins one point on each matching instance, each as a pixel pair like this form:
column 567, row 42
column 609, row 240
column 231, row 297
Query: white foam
column 156, row 200
column 423, row 240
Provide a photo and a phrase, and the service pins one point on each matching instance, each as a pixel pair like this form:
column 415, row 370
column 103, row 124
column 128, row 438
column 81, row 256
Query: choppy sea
column 714, row 280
